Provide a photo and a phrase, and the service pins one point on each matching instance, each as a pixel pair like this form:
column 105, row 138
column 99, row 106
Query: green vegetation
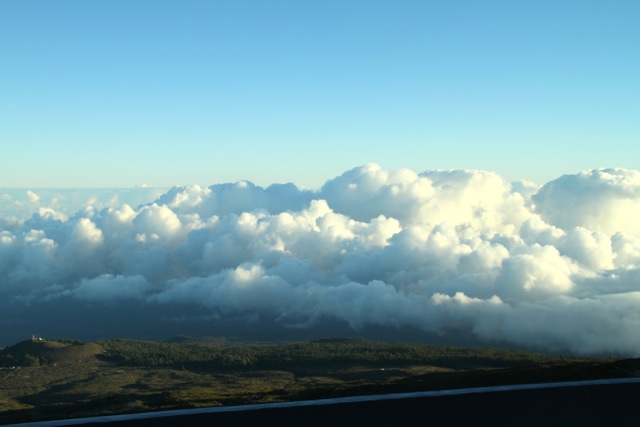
column 333, row 352
column 67, row 378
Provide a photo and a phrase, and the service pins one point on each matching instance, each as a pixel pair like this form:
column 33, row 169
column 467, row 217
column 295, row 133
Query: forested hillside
column 45, row 379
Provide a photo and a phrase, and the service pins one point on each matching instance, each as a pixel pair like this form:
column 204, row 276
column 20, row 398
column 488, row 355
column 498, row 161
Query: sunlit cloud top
column 553, row 267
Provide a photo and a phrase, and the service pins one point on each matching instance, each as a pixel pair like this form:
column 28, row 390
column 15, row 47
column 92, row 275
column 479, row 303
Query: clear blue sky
column 118, row 93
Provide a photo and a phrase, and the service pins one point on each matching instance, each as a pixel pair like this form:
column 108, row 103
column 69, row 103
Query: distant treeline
column 10, row 360
column 326, row 352
column 224, row 354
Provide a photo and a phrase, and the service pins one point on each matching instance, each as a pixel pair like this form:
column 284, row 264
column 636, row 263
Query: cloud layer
column 452, row 253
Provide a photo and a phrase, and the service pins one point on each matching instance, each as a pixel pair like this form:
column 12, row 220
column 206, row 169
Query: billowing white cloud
column 480, row 199
column 459, row 252
column 606, row 200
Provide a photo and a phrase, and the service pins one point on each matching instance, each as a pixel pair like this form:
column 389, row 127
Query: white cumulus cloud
column 452, row 253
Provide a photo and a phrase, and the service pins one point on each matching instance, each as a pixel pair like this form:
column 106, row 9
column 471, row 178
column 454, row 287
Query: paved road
column 597, row 404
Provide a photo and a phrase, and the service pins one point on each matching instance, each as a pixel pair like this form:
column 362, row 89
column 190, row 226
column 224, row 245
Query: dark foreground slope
column 65, row 379
column 590, row 405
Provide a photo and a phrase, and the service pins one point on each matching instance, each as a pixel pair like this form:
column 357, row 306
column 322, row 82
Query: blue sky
column 120, row 93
